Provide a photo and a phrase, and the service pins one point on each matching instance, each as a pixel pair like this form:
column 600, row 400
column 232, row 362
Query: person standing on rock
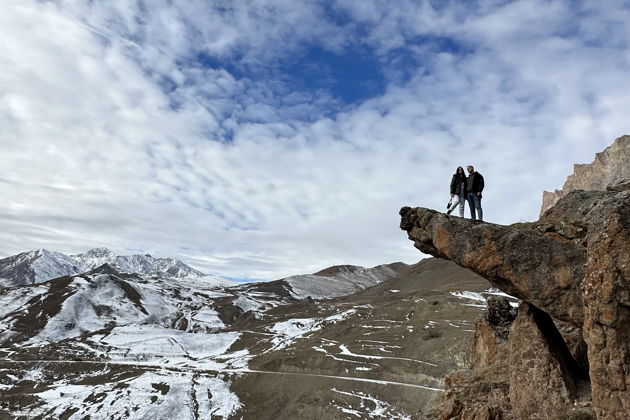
column 458, row 191
column 474, row 187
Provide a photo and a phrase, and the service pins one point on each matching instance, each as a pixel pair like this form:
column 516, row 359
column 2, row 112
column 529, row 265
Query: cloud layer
column 197, row 130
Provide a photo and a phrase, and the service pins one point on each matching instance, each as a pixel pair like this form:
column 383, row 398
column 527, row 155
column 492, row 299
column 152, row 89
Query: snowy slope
column 340, row 280
column 42, row 265
column 35, row 267
column 141, row 264
column 70, row 307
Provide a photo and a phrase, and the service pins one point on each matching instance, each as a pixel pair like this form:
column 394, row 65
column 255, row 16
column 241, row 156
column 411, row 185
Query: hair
column 462, row 174
column 470, row 166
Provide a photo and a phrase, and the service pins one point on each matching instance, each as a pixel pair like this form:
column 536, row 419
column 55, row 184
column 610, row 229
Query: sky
column 259, row 139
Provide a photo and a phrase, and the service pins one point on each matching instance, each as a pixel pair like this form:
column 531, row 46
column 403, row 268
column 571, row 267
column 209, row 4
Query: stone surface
column 609, row 167
column 606, row 291
column 539, row 362
column 475, row 396
column 500, row 315
column 517, row 259
column 491, row 333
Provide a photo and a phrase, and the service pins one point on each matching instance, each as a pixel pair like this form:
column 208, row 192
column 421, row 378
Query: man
column 474, row 187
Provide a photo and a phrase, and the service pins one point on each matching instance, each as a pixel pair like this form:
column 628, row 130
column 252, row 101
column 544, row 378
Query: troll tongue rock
column 573, row 264
column 517, row 259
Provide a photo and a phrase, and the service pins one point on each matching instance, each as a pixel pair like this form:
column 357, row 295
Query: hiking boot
column 449, row 211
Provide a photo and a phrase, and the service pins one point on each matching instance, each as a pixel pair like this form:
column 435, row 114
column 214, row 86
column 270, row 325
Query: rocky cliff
column 570, row 342
column 609, row 167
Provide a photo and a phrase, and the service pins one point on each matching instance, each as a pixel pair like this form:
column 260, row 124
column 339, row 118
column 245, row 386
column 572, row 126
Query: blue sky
column 260, row 138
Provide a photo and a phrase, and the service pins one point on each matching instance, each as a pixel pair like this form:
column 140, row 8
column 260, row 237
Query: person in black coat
column 474, row 187
column 458, row 191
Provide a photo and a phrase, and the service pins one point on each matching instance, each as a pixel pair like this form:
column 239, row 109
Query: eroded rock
column 606, row 292
column 573, row 265
column 539, row 362
column 491, row 333
column 519, row 259
column 610, row 167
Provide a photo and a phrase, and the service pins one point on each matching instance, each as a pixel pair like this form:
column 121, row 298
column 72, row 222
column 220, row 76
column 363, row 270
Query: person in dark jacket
column 474, row 187
column 458, row 191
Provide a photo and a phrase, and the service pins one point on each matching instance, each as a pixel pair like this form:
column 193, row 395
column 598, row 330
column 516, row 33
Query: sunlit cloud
column 261, row 139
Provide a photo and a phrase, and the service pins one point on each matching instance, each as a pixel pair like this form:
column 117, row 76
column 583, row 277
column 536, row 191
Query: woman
column 458, row 191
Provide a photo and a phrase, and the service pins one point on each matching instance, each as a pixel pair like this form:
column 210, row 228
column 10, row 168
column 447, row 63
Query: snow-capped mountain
column 42, row 265
column 141, row 264
column 35, row 267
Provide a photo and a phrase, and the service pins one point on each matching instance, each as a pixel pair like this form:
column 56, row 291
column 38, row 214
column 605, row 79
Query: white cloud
column 114, row 135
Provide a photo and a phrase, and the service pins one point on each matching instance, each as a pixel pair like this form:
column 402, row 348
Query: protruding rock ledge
column 517, row 259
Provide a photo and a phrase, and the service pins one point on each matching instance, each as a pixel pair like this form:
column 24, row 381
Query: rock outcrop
column 572, row 270
column 491, row 333
column 539, row 361
column 609, row 168
column 519, row 259
column 483, row 392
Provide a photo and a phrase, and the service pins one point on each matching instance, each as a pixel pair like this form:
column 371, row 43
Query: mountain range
column 41, row 265
column 117, row 343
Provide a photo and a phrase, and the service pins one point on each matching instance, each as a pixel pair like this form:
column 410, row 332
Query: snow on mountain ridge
column 137, row 263
column 41, row 265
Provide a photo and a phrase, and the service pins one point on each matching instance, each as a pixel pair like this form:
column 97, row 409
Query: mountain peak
column 41, row 265
column 98, row 253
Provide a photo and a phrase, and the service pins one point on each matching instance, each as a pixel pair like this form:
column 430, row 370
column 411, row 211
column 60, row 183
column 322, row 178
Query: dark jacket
column 476, row 186
column 456, row 184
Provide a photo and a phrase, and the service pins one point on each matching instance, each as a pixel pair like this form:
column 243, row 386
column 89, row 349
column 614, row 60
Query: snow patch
column 289, row 331
column 374, row 409
column 152, row 395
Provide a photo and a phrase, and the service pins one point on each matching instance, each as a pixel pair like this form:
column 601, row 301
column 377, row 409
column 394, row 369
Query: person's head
column 459, row 170
column 470, row 169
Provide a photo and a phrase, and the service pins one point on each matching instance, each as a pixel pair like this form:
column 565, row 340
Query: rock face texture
column 491, row 333
column 609, row 168
column 517, row 259
column 539, row 360
column 571, row 269
column 482, row 393
column 606, row 291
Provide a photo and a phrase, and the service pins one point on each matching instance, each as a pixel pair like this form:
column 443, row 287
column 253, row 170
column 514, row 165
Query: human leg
column 478, row 207
column 456, row 200
column 471, row 203
column 461, row 205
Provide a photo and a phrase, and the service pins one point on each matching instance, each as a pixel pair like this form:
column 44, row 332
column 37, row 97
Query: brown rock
column 517, row 259
column 609, row 167
column 542, row 380
column 486, row 346
column 607, row 299
column 450, row 408
column 500, row 314
column 491, row 333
